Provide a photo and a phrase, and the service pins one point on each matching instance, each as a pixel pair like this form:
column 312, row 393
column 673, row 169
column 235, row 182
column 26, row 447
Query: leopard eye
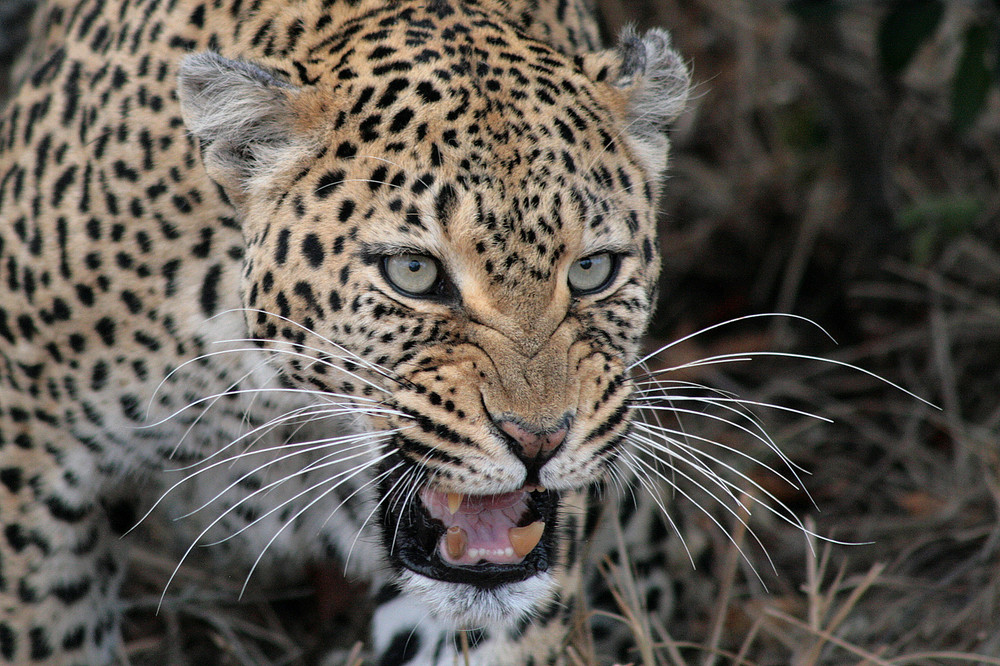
column 412, row 274
column 592, row 274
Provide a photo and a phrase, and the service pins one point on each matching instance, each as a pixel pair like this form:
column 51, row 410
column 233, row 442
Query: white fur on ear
column 242, row 114
column 656, row 81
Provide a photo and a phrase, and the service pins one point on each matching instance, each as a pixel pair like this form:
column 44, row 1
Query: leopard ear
column 654, row 82
column 243, row 115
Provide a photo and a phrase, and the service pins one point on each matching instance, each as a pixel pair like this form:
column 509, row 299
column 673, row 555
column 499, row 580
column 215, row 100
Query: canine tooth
column 524, row 539
column 454, row 502
column 456, row 541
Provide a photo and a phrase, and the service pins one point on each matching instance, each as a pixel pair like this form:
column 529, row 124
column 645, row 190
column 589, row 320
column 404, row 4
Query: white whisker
column 164, row 494
column 719, row 402
column 368, row 442
column 650, row 395
column 218, row 519
column 708, row 514
column 730, row 322
column 665, row 434
column 642, row 476
column 724, row 484
column 357, row 470
column 321, row 463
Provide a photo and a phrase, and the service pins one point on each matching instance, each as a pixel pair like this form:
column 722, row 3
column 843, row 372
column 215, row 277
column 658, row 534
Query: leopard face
column 454, row 223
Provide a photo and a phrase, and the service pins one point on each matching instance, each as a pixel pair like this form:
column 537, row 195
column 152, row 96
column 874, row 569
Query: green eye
column 592, row 274
column 412, row 274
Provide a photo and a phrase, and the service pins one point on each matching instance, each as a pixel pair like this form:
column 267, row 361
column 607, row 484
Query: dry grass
column 804, row 181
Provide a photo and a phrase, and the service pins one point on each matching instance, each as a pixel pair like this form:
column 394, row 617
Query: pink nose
column 534, row 444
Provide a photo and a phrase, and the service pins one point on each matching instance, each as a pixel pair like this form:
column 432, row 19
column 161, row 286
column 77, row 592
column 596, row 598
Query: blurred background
column 839, row 161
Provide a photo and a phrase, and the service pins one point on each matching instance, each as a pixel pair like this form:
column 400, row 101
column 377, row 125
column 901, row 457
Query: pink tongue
column 486, row 520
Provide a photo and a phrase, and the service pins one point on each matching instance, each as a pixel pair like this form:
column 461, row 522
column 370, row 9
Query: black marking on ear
column 632, row 52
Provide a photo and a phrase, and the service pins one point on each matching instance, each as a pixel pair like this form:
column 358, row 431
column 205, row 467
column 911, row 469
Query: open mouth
column 480, row 540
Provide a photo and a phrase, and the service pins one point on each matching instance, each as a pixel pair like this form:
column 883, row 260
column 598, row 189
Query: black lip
column 413, row 538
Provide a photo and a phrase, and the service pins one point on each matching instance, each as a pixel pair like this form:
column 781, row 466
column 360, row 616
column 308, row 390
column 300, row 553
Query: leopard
column 374, row 276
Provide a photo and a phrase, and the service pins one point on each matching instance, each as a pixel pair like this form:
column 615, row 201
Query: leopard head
column 453, row 227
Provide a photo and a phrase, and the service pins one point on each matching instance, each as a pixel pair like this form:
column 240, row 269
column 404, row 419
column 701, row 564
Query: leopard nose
column 532, row 445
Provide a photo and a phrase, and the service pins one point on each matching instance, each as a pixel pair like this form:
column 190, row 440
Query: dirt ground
column 806, row 180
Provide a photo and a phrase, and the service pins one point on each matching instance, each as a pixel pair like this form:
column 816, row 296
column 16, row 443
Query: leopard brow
column 373, row 251
column 611, row 248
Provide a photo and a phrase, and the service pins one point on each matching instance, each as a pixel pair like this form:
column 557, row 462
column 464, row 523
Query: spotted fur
column 197, row 200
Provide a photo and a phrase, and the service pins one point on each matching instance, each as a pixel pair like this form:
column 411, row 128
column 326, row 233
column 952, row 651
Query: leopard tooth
column 524, row 539
column 454, row 502
column 456, row 541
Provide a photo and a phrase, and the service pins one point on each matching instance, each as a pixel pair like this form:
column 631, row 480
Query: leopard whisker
column 748, row 356
column 368, row 180
column 662, row 385
column 749, row 415
column 781, row 511
column 371, row 513
column 616, row 480
column 652, row 448
column 677, row 487
column 320, row 463
column 305, row 447
column 406, row 495
column 653, row 491
column 649, row 404
column 208, row 467
column 311, row 412
column 764, row 438
column 313, row 360
column 359, row 180
column 728, row 322
column 359, row 469
column 367, row 440
column 647, row 407
column 247, row 391
column 323, row 356
column 655, row 450
column 330, row 459
column 652, row 394
column 219, row 518
column 666, row 434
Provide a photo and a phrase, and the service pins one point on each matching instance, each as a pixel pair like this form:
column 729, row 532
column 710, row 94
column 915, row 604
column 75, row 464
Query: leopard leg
column 62, row 564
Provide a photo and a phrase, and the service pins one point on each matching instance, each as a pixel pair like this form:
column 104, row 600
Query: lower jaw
column 484, row 576
column 465, row 607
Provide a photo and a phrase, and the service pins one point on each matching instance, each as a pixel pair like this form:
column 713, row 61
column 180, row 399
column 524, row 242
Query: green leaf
column 907, row 25
column 934, row 221
column 972, row 78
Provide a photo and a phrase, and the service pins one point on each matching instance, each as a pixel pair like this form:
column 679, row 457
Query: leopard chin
column 468, row 606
